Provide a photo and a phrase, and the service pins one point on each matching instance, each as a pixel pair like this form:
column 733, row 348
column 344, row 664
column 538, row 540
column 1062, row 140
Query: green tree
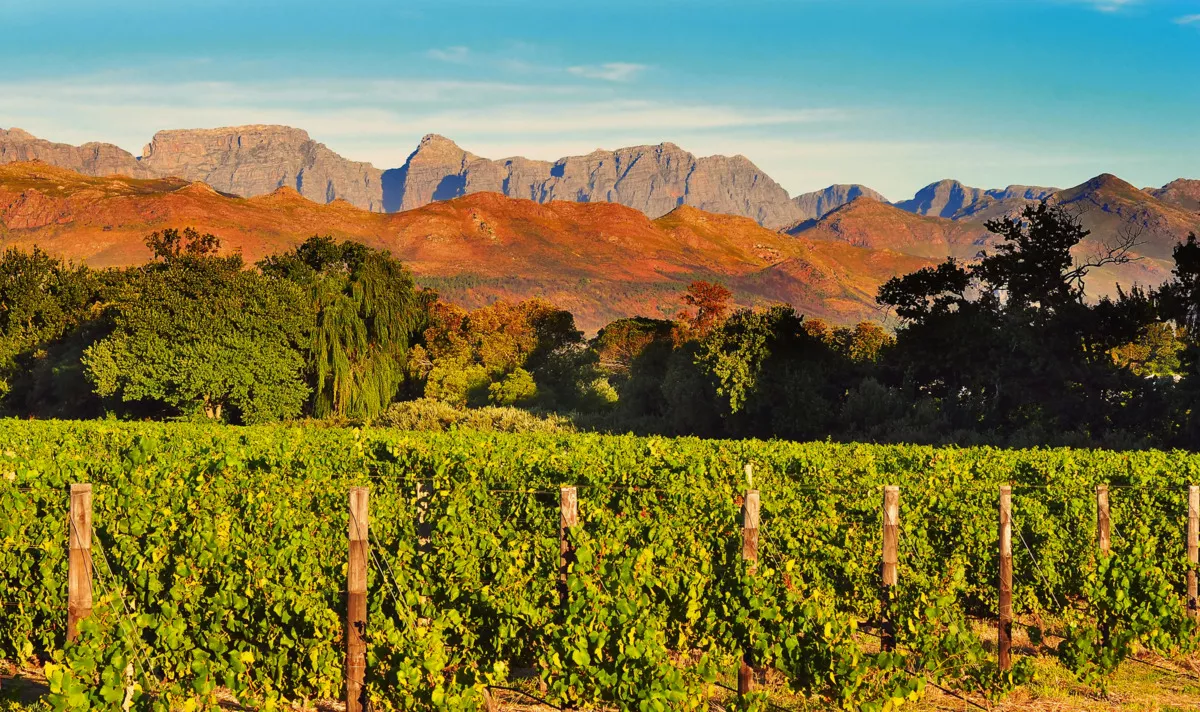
column 367, row 312
column 1009, row 344
column 42, row 299
column 526, row 353
column 199, row 336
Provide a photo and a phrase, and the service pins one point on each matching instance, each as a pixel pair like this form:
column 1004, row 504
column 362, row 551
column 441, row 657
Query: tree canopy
column 367, row 311
column 203, row 337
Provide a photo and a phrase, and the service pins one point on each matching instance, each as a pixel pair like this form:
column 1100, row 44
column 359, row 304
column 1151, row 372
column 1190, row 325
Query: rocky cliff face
column 951, row 199
column 255, row 160
column 652, row 179
column 818, row 204
column 95, row 159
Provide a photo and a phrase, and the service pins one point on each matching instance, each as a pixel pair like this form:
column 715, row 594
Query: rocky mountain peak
column 952, row 199
column 1109, row 182
column 818, row 204
column 257, row 159
column 16, row 134
column 436, row 148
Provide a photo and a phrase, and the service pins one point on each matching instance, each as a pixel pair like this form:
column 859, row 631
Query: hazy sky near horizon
column 893, row 94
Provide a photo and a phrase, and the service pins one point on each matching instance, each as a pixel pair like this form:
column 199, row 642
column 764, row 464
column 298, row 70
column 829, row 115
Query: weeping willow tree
column 367, row 310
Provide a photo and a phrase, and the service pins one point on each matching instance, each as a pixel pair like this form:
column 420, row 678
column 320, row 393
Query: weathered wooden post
column 1193, row 549
column 568, row 508
column 750, row 522
column 79, row 558
column 750, row 519
column 356, row 602
column 1103, row 527
column 891, row 542
column 1004, row 628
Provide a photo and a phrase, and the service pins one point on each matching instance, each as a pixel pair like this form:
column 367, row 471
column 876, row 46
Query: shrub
column 427, row 414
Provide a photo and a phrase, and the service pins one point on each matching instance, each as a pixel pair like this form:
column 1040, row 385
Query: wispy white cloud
column 455, row 55
column 1187, row 20
column 1110, row 5
column 610, row 71
column 381, row 120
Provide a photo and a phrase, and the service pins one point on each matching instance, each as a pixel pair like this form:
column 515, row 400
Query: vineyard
column 219, row 566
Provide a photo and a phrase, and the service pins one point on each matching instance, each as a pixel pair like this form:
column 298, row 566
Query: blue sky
column 894, row 94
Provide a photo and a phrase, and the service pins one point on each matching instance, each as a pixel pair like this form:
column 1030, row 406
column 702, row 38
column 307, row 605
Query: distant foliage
column 529, row 353
column 430, row 415
column 707, row 303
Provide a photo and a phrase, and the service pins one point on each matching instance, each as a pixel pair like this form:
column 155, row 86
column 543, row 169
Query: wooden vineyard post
column 891, row 542
column 1103, row 528
column 750, row 522
column 1193, row 549
column 568, row 508
column 750, row 507
column 79, row 561
column 1004, row 628
column 356, row 601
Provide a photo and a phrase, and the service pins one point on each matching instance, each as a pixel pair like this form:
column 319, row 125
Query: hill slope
column 1107, row 206
column 600, row 260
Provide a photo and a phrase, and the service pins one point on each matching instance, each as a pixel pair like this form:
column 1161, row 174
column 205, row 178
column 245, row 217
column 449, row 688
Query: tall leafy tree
column 367, row 312
column 196, row 335
column 1009, row 343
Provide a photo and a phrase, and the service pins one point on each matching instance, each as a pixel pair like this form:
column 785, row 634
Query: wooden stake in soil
column 568, row 508
column 750, row 522
column 891, row 542
column 356, row 602
column 1102, row 520
column 1193, row 549
column 79, row 561
column 1004, row 628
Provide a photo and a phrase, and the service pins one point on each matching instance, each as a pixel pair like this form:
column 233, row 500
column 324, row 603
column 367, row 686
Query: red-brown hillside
column 869, row 223
column 600, row 260
column 1106, row 205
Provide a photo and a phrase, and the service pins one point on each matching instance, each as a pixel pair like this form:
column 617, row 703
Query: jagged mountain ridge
column 255, row 160
column 94, row 159
column 1182, row 193
column 652, row 179
column 599, row 260
column 951, row 199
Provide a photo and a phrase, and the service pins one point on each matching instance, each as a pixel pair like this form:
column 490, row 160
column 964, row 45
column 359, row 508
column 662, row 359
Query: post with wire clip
column 568, row 518
column 79, row 561
column 750, row 524
column 889, row 568
column 1193, row 550
column 1004, row 625
column 356, row 602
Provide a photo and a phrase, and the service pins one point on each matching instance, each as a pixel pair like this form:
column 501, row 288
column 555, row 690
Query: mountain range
column 943, row 219
column 599, row 260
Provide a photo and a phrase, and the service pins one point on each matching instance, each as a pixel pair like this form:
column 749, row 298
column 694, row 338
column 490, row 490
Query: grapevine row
column 227, row 552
